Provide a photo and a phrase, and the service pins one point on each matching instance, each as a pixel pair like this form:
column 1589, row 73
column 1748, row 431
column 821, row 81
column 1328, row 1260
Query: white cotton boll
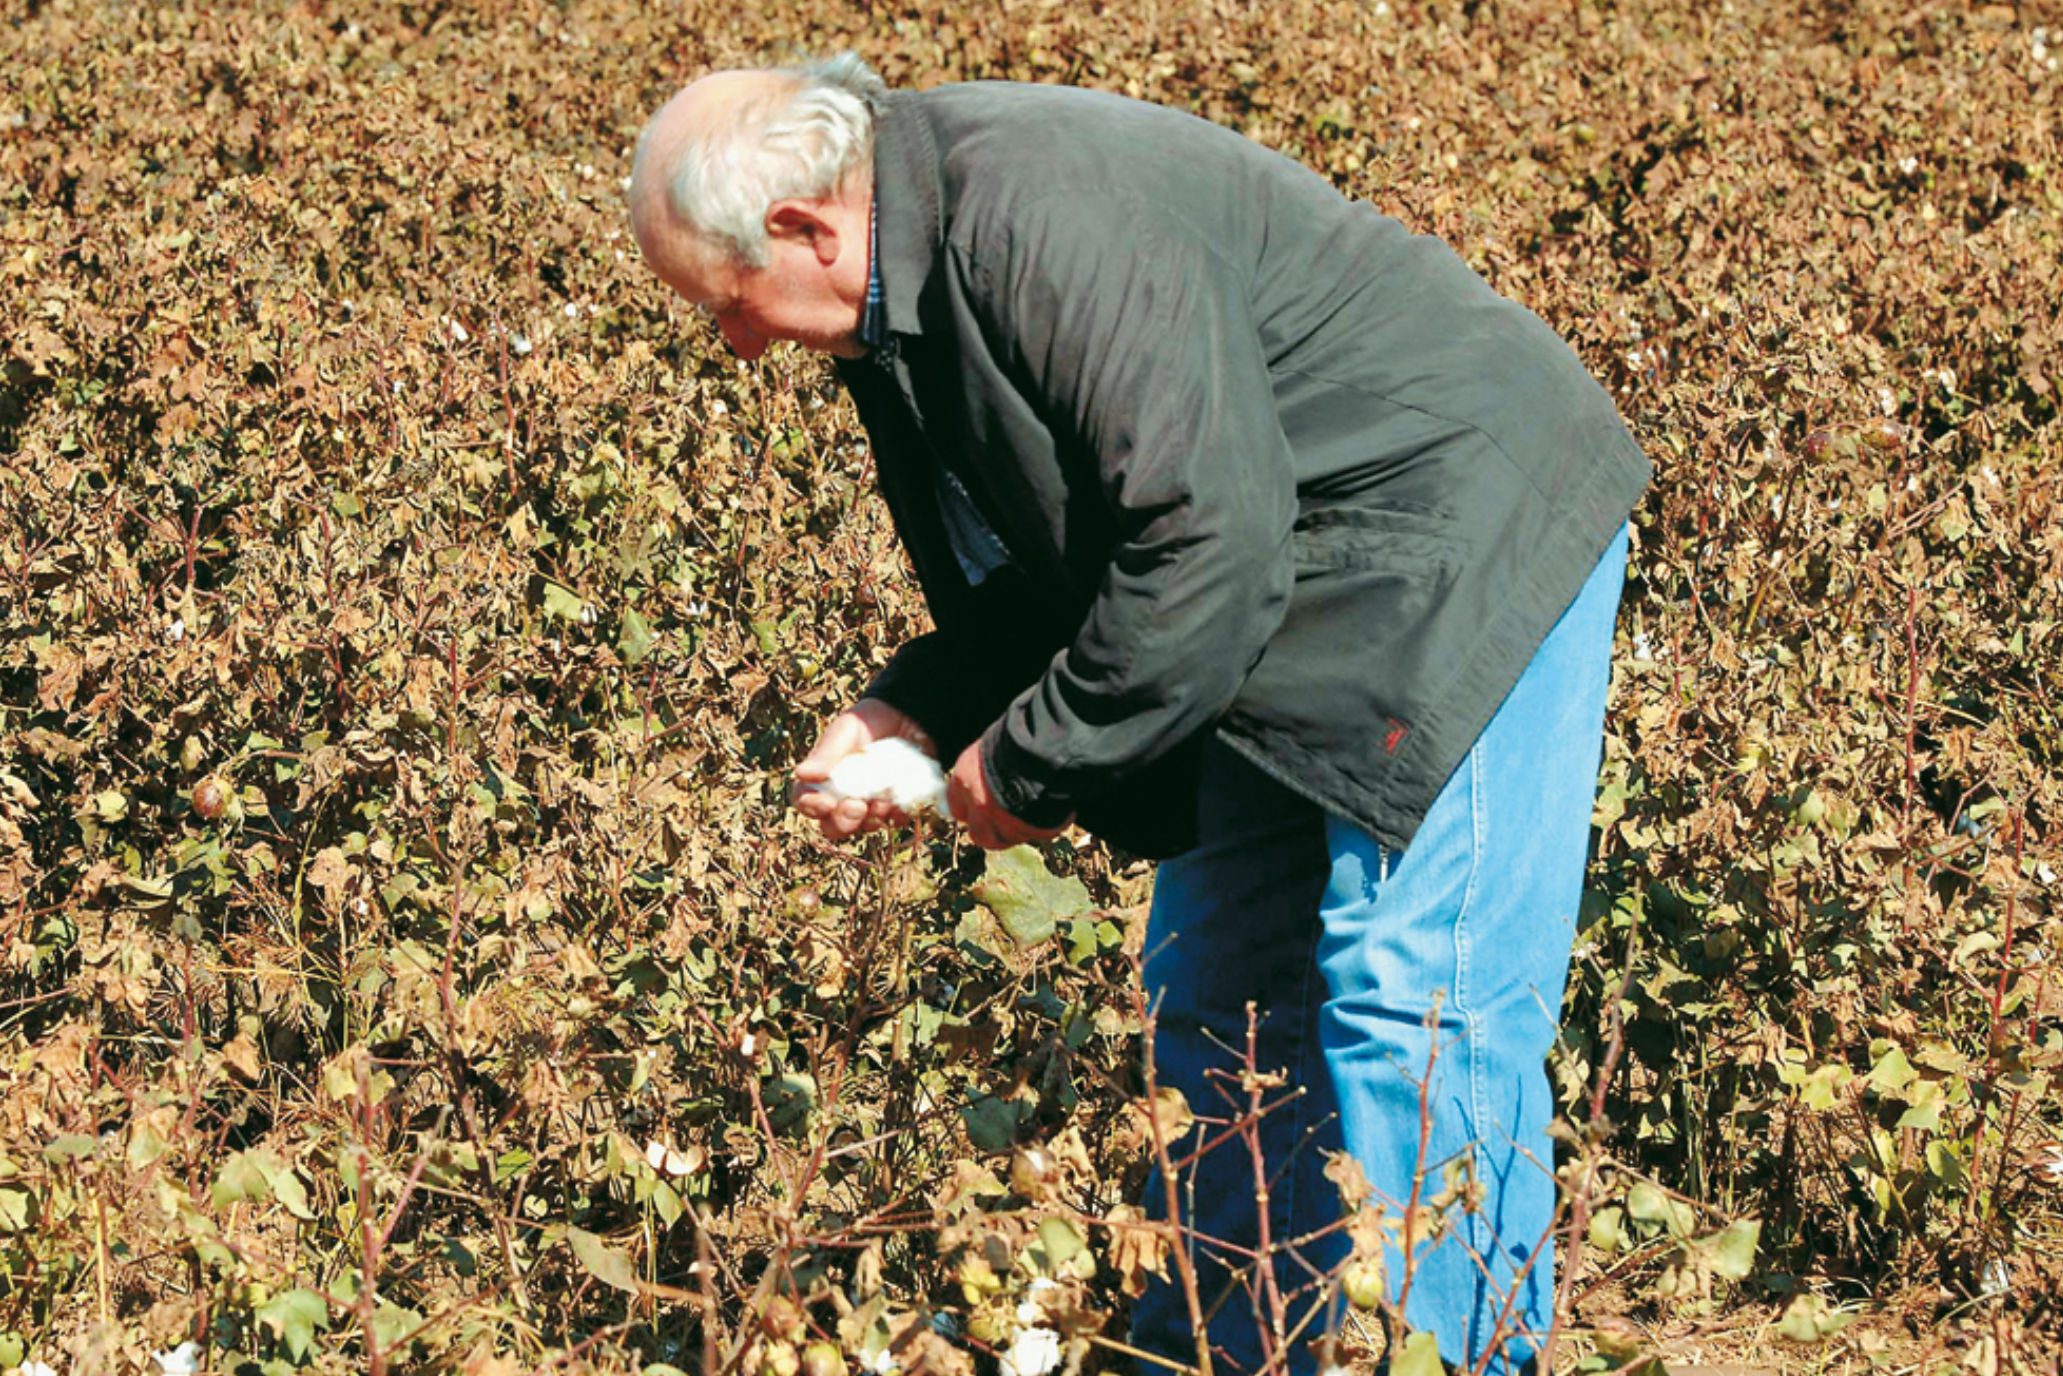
column 661, row 1157
column 34, row 1368
column 1035, row 1352
column 183, row 1360
column 893, row 771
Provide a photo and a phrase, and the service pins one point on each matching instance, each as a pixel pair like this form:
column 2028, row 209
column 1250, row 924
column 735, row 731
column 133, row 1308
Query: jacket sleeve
column 1137, row 343
column 955, row 680
column 952, row 685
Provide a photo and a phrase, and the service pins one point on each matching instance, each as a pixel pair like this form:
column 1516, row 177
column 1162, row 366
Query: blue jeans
column 1361, row 961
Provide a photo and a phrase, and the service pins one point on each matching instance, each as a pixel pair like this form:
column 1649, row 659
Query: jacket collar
column 906, row 196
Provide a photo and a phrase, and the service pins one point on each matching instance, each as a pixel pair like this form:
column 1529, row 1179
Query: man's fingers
column 843, row 736
column 882, row 813
column 843, row 820
column 846, row 734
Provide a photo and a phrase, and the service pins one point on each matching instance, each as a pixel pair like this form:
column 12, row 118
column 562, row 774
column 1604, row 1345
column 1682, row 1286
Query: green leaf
column 1060, row 1241
column 1892, row 1072
column 17, row 1209
column 294, row 1317
column 1810, row 1318
column 634, row 641
column 1646, row 1203
column 607, row 1264
column 1081, row 942
column 1606, row 1231
column 1730, row 1252
column 244, row 1177
column 1027, row 898
column 1946, row 1164
column 562, row 602
column 1420, row 1357
column 1821, row 1089
column 992, row 1123
column 667, row 1202
column 1925, row 1111
column 112, row 805
column 790, row 1099
column 72, row 1146
column 286, row 1187
column 1061, row 1251
column 391, row 1323
column 150, row 886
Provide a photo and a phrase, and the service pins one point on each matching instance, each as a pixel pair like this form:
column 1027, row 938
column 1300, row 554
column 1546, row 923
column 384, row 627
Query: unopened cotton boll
column 893, row 771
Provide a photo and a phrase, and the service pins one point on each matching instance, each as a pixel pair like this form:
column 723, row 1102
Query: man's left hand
column 974, row 807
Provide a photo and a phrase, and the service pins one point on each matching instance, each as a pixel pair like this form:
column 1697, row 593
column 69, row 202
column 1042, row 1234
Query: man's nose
column 745, row 342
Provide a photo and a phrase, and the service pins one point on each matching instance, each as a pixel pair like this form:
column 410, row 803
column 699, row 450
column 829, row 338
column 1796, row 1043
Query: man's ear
column 799, row 220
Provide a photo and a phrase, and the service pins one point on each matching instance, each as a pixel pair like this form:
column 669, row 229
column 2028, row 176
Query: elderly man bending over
column 1259, row 534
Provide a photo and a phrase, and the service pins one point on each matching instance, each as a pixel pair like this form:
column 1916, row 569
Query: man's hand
column 988, row 825
column 852, row 730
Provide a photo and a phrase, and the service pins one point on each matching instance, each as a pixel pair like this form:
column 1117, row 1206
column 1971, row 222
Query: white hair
column 802, row 140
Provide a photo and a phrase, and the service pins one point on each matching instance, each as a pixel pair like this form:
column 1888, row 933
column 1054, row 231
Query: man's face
column 793, row 297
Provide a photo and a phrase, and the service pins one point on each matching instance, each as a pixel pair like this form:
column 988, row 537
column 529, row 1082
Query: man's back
column 1384, row 348
column 1342, row 486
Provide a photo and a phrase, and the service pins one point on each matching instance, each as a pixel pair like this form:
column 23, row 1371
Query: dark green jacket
column 1266, row 463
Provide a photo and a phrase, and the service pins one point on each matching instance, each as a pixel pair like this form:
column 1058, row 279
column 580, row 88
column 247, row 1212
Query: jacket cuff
column 922, row 682
column 1013, row 777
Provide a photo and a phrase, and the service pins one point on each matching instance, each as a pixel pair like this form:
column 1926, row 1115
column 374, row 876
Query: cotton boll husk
column 891, row 770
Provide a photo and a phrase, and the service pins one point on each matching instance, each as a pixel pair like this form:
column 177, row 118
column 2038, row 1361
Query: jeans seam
column 1471, row 1028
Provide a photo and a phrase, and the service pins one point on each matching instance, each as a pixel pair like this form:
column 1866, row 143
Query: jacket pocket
column 1393, row 539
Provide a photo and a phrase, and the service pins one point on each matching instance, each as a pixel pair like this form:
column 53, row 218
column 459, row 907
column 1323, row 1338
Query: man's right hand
column 852, row 730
